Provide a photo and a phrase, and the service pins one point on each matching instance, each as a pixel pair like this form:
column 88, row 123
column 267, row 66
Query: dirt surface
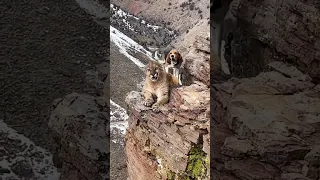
column 124, row 76
column 46, row 47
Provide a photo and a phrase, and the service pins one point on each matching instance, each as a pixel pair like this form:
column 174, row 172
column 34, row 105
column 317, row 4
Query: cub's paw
column 148, row 102
column 155, row 108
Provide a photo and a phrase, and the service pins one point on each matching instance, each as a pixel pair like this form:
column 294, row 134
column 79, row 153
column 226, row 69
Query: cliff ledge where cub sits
column 173, row 143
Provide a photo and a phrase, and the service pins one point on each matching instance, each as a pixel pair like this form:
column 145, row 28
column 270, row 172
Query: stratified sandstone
column 160, row 145
column 175, row 143
column 267, row 127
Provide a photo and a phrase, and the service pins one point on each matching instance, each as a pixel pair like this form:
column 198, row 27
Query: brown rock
column 138, row 161
column 235, row 147
column 169, row 136
column 190, row 135
column 206, row 144
column 252, row 169
column 313, row 157
column 293, row 176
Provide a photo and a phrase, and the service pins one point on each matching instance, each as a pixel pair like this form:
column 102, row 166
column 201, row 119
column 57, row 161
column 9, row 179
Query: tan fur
column 156, row 93
column 174, row 66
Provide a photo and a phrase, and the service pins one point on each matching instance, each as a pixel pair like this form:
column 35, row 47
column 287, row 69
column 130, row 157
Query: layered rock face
column 163, row 145
column 174, row 143
column 266, row 127
column 257, row 33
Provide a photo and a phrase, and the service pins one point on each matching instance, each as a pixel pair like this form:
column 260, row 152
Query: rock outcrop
column 266, row 126
column 257, row 33
column 20, row 158
column 79, row 124
column 175, row 143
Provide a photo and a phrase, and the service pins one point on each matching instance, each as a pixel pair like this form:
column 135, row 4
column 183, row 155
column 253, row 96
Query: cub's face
column 174, row 57
column 153, row 71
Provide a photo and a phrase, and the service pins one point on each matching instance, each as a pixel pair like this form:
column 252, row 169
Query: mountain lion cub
column 156, row 86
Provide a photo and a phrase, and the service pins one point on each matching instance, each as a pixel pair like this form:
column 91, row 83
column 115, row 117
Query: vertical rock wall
column 174, row 143
column 260, row 32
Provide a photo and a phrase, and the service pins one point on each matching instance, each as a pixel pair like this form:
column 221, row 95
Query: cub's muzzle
column 154, row 76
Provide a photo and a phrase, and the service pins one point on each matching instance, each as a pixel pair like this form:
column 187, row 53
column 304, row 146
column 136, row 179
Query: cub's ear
column 147, row 67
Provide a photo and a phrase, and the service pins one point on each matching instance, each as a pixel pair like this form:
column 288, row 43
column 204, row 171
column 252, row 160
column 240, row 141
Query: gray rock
column 21, row 158
column 278, row 112
column 265, row 35
column 235, row 147
column 79, row 125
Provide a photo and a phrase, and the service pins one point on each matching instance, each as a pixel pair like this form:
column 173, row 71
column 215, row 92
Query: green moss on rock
column 196, row 163
column 207, row 160
column 170, row 175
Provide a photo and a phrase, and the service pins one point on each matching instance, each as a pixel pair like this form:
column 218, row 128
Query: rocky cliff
column 265, row 120
column 175, row 14
column 257, row 33
column 266, row 127
column 175, row 143
column 79, row 125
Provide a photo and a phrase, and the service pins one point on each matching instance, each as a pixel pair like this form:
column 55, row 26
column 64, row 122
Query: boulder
column 79, row 125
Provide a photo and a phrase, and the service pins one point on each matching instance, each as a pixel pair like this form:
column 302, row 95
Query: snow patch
column 37, row 158
column 126, row 44
column 118, row 117
column 120, row 13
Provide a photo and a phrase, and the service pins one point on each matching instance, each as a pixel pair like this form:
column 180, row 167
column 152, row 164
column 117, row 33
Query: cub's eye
column 148, row 69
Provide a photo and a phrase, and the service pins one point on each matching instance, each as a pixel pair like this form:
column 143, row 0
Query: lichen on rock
column 197, row 165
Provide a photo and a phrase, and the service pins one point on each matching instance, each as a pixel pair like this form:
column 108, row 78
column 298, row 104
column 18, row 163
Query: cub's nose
column 172, row 56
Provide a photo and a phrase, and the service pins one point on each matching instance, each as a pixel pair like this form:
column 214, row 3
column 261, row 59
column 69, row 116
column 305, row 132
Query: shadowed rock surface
column 271, row 120
column 21, row 158
column 48, row 49
column 257, row 33
column 79, row 126
column 265, row 118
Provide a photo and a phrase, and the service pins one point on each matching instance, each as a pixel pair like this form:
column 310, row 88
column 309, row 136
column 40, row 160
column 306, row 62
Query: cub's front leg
column 148, row 98
column 162, row 99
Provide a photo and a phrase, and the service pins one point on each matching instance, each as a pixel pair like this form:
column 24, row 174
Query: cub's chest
column 157, row 88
